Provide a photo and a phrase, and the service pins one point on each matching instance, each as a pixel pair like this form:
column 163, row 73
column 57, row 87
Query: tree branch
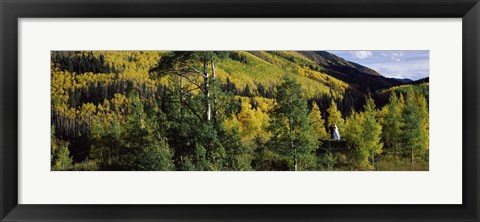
column 196, row 70
column 198, row 85
column 193, row 111
column 189, row 90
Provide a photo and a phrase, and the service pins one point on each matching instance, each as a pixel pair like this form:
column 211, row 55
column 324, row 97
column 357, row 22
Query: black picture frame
column 11, row 11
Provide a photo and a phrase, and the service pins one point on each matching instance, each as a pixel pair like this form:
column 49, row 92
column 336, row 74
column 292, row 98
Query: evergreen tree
column 230, row 87
column 261, row 90
column 292, row 132
column 143, row 138
column 196, row 142
column 137, row 145
column 246, row 91
column 190, row 65
column 239, row 157
column 106, row 142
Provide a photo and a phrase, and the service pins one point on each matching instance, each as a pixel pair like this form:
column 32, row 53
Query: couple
column 334, row 132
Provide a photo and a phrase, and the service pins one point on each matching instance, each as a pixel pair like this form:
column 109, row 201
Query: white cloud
column 362, row 54
column 395, row 56
column 407, row 69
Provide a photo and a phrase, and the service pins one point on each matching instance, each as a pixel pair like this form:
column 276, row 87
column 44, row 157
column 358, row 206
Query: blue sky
column 411, row 64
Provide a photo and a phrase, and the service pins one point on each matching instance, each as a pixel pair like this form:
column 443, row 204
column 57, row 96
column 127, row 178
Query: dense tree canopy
column 221, row 110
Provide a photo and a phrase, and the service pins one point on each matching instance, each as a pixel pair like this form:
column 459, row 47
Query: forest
column 232, row 111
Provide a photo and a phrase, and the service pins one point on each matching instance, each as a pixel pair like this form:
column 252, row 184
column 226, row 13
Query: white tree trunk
column 213, row 70
column 215, row 109
column 208, row 110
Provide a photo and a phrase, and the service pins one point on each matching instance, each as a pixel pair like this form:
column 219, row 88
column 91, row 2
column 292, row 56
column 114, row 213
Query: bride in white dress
column 336, row 134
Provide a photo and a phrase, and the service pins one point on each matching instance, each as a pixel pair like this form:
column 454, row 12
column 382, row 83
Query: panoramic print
column 240, row 110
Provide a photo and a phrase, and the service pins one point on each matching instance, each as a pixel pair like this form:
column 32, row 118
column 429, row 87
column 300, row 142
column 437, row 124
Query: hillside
column 217, row 110
column 319, row 71
column 268, row 68
column 323, row 76
column 352, row 73
column 420, row 87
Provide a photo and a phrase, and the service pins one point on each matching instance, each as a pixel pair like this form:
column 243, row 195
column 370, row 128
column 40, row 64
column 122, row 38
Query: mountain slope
column 266, row 69
column 355, row 74
column 320, row 72
column 257, row 73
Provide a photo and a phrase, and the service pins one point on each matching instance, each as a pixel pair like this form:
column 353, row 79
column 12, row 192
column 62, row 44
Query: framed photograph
column 224, row 110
